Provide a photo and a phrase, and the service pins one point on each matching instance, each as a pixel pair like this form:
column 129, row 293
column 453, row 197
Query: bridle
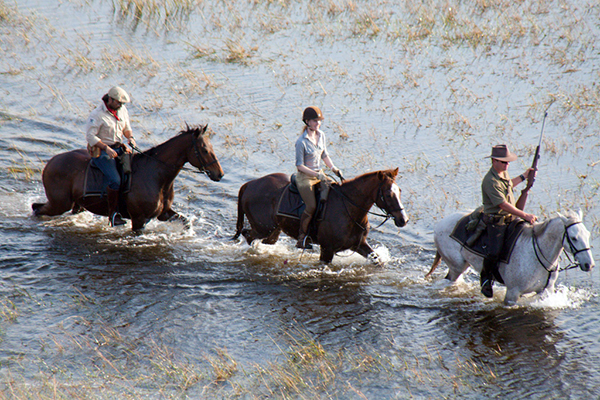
column 572, row 249
column 387, row 214
column 203, row 165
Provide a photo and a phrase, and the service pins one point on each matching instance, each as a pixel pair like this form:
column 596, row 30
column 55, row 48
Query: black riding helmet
column 312, row 112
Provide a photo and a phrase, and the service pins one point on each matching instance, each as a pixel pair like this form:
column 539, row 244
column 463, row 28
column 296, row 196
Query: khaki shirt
column 495, row 190
column 103, row 126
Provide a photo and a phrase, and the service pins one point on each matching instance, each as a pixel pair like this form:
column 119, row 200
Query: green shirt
column 496, row 189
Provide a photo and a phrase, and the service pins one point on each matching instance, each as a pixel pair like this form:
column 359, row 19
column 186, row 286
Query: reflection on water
column 83, row 305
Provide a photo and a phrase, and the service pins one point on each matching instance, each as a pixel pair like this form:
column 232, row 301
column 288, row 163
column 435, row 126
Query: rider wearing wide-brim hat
column 311, row 148
column 106, row 131
column 499, row 209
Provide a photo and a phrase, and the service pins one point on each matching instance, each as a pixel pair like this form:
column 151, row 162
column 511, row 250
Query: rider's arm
column 509, row 208
column 329, row 163
column 522, row 177
column 304, row 169
column 130, row 139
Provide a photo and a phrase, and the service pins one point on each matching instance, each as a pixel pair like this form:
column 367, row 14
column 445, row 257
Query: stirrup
column 486, row 289
column 116, row 220
column 303, row 244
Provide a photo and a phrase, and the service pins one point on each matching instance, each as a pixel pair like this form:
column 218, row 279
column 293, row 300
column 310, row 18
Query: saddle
column 94, row 185
column 461, row 234
column 291, row 204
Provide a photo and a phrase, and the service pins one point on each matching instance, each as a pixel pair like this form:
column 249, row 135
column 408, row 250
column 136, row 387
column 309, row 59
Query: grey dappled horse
column 533, row 265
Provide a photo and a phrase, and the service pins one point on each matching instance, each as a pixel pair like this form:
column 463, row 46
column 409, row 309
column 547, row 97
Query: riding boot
column 486, row 279
column 303, row 235
column 114, row 218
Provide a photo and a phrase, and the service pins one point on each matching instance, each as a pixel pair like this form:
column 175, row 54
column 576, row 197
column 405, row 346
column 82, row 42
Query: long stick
column 531, row 176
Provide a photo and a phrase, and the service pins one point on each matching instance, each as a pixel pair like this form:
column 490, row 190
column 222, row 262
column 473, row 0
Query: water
column 89, row 311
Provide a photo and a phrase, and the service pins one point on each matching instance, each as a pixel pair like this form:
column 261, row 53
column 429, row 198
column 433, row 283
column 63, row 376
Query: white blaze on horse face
column 396, row 196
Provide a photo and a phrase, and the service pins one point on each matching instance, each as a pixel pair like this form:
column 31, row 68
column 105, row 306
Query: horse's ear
column 580, row 214
column 203, row 129
column 395, row 172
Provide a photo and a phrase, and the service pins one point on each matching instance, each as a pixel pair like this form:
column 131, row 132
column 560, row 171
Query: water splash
column 564, row 297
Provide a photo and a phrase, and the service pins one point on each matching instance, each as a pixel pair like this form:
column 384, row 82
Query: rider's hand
column 322, row 177
column 338, row 173
column 132, row 142
column 530, row 218
column 110, row 152
column 529, row 171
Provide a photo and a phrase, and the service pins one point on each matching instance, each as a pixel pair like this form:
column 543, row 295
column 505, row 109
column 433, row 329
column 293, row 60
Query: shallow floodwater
column 92, row 312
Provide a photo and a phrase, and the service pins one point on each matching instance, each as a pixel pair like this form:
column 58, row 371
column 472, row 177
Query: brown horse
column 344, row 224
column 152, row 175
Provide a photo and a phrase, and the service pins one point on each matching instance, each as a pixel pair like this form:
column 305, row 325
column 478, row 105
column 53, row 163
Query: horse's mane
column 195, row 130
column 390, row 173
column 569, row 217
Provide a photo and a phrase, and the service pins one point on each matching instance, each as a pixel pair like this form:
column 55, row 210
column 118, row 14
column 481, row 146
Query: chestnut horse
column 152, row 175
column 344, row 224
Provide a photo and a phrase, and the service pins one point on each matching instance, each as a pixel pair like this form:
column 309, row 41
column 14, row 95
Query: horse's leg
column 63, row 179
column 59, row 201
column 138, row 223
column 167, row 213
column 367, row 252
column 273, row 237
column 511, row 297
column 551, row 281
column 326, row 254
column 549, row 289
column 172, row 216
column 52, row 208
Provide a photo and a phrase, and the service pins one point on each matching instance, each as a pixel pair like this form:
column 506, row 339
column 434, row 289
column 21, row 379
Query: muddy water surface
column 89, row 311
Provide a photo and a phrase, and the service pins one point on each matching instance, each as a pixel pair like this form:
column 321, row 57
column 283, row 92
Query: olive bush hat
column 118, row 94
column 501, row 152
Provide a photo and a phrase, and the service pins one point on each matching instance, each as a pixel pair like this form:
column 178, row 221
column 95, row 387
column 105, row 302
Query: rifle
column 531, row 178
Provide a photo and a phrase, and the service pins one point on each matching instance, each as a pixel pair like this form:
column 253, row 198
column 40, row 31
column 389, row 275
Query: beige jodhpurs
column 306, row 188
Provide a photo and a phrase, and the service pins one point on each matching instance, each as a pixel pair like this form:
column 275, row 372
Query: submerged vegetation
column 112, row 364
column 427, row 86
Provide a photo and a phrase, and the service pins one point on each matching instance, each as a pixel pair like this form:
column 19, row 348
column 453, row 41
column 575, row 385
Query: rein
column 387, row 214
column 201, row 170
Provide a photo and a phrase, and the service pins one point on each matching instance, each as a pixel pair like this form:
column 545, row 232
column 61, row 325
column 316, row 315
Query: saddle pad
column 291, row 204
column 93, row 184
column 514, row 230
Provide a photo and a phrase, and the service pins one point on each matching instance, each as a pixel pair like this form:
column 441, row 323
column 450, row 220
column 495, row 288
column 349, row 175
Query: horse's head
column 576, row 240
column 202, row 154
column 388, row 197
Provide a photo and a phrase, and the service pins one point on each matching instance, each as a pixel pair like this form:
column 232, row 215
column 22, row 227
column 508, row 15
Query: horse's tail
column 240, row 217
column 436, row 262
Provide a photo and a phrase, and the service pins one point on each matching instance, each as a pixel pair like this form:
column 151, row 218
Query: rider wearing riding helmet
column 498, row 210
column 310, row 150
column 106, row 130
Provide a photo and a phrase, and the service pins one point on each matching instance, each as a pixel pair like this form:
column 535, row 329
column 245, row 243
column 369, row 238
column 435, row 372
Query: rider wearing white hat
column 107, row 129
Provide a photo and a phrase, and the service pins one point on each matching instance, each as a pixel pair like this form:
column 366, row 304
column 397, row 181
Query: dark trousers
column 108, row 166
column 493, row 247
